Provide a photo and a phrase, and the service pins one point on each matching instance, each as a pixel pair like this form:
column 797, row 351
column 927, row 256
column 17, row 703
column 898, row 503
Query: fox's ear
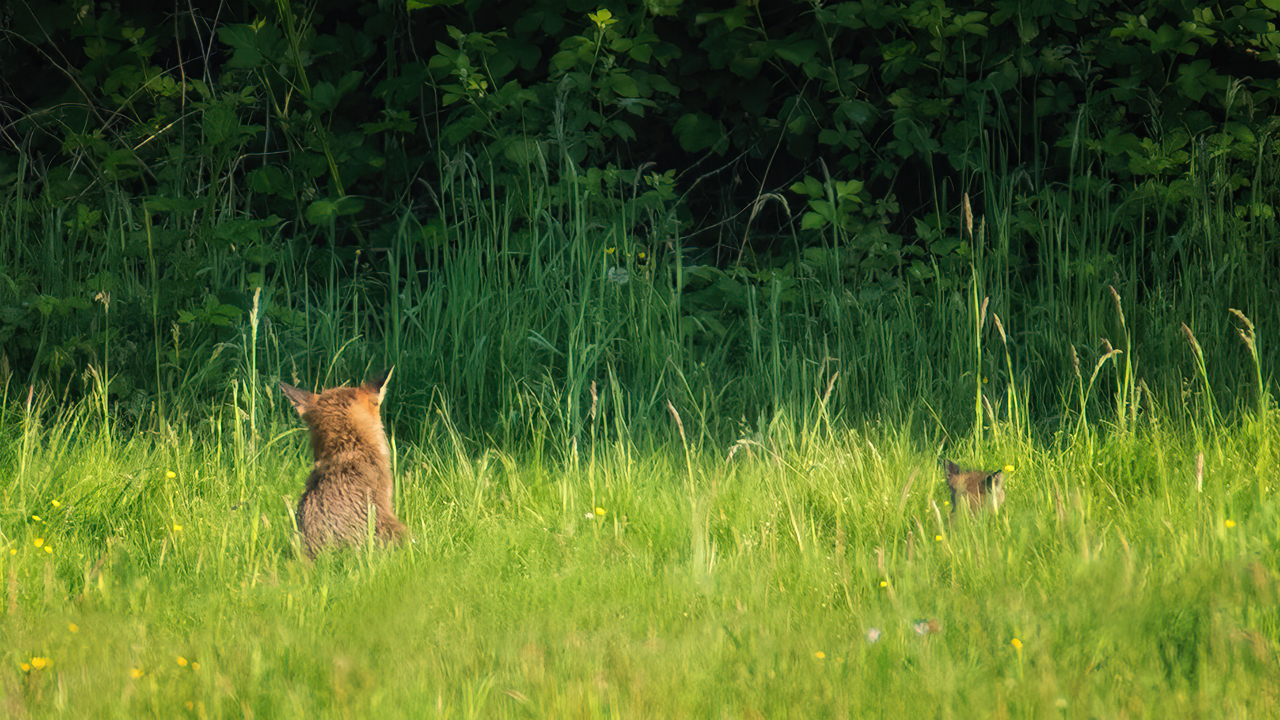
column 951, row 468
column 995, row 479
column 301, row 399
column 378, row 382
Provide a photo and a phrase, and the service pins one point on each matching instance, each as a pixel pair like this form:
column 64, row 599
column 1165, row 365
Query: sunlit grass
column 797, row 572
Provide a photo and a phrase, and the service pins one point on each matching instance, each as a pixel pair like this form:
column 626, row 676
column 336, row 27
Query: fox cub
column 978, row 489
column 353, row 466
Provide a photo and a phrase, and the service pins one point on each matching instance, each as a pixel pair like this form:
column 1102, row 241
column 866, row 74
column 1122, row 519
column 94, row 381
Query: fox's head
column 342, row 417
column 978, row 489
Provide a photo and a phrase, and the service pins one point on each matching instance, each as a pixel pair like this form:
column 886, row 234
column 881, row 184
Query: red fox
column 353, row 466
column 978, row 489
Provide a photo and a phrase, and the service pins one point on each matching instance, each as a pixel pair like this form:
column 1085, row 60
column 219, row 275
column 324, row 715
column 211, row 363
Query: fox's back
column 352, row 470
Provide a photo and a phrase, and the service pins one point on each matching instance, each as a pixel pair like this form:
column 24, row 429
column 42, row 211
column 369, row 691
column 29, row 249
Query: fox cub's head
column 342, row 416
column 977, row 489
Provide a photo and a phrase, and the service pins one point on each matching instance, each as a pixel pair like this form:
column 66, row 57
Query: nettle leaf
column 800, row 52
column 324, row 97
column 810, row 186
column 324, row 211
column 813, row 221
column 624, row 85
column 242, row 39
column 564, row 60
column 698, row 131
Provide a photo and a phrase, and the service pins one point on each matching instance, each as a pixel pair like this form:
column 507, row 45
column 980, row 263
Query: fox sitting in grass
column 977, row 489
column 352, row 472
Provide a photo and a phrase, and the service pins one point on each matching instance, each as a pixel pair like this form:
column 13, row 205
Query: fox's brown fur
column 352, row 469
column 977, row 489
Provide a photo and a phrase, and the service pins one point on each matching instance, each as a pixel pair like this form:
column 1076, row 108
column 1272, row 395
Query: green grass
column 735, row 581
column 763, row 438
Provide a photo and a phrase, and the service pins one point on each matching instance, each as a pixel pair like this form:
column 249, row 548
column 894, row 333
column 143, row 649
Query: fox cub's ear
column 301, row 399
column 376, row 383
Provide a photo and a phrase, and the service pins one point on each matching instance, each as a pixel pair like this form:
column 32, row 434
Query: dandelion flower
column 170, row 474
column 55, row 503
column 177, row 528
column 820, row 655
column 195, row 665
column 38, row 542
column 884, row 583
column 48, row 549
column 1017, row 644
column 1231, row 523
column 1008, row 468
column 26, row 667
column 73, row 627
column 937, row 538
column 136, row 673
column 181, row 661
column 600, row 512
column 37, row 518
column 40, row 663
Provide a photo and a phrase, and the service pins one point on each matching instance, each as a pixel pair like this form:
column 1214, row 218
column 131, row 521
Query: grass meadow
column 808, row 570
column 627, row 504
